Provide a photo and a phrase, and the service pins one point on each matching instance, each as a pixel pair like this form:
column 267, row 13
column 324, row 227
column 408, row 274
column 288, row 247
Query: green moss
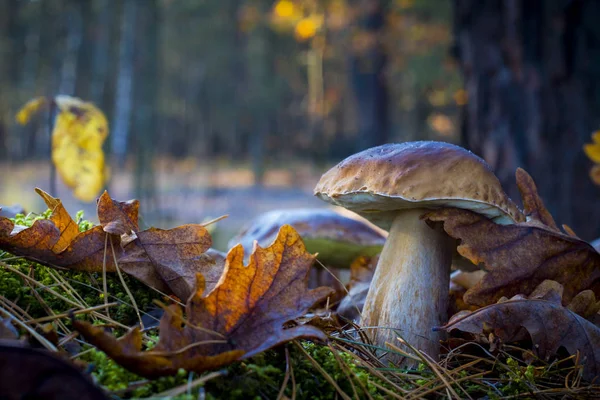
column 87, row 285
column 257, row 378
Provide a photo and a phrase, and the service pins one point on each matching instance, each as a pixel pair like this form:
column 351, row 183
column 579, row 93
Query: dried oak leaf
column 167, row 260
column 56, row 241
column 242, row 316
column 549, row 324
column 519, row 257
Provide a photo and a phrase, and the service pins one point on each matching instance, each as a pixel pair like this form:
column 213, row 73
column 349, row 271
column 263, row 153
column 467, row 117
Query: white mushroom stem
column 409, row 291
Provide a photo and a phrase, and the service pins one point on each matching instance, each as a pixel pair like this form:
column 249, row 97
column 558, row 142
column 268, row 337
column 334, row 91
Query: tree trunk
column 74, row 25
column 144, row 120
column 259, row 82
column 367, row 66
column 533, row 79
column 125, row 77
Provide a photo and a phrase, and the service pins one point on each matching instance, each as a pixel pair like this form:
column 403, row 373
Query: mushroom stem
column 409, row 291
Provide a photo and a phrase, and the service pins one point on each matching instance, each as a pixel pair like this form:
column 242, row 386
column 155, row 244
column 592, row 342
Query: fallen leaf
column 533, row 205
column 361, row 274
column 549, row 324
column 28, row 373
column 51, row 241
column 585, row 304
column 67, row 228
column 520, row 256
column 167, row 260
column 119, row 217
column 242, row 316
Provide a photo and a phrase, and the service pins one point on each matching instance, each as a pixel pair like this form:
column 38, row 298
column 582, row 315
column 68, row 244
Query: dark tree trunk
column 367, row 67
column 532, row 74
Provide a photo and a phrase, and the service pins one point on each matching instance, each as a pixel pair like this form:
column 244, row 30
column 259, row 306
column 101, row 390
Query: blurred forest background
column 238, row 106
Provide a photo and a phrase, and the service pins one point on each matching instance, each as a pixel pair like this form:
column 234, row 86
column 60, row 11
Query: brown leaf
column 27, row 373
column 62, row 220
column 167, row 260
column 361, row 274
column 585, row 304
column 172, row 258
column 119, row 218
column 533, row 205
column 84, row 253
column 549, row 324
column 242, row 316
column 519, row 257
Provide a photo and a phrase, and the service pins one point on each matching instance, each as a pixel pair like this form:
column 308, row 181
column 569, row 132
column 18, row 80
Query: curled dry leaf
column 519, row 257
column 361, row 274
column 242, row 316
column 549, row 324
column 533, row 205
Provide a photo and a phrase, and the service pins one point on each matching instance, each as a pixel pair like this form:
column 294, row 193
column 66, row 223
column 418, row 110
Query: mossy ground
column 259, row 377
column 291, row 366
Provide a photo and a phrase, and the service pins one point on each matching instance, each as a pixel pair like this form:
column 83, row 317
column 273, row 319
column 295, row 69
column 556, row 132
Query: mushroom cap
column 336, row 238
column 384, row 179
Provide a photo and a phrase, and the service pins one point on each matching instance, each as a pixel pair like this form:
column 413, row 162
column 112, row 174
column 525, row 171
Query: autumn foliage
column 243, row 316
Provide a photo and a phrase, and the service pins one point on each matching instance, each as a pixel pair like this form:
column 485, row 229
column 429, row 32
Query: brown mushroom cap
column 416, row 174
column 336, row 238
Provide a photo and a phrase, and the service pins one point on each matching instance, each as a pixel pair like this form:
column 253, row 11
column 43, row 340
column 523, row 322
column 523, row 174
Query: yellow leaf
column 29, row 109
column 79, row 132
column 592, row 151
column 307, row 27
column 596, row 137
column 284, row 9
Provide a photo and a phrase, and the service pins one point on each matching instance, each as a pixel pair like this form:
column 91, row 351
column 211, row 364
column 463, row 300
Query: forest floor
column 186, row 192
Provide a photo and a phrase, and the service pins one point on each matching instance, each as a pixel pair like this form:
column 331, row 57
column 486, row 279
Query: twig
column 67, row 314
column 187, row 386
column 323, row 372
column 133, row 303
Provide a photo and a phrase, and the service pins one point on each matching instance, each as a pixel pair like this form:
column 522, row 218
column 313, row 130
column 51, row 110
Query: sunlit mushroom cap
column 392, row 177
column 336, row 238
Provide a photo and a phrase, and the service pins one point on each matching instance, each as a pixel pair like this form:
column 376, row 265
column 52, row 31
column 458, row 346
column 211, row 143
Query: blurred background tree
column 216, row 102
column 531, row 72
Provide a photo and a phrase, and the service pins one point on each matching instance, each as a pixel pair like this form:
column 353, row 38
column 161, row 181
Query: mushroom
column 393, row 186
column 338, row 240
